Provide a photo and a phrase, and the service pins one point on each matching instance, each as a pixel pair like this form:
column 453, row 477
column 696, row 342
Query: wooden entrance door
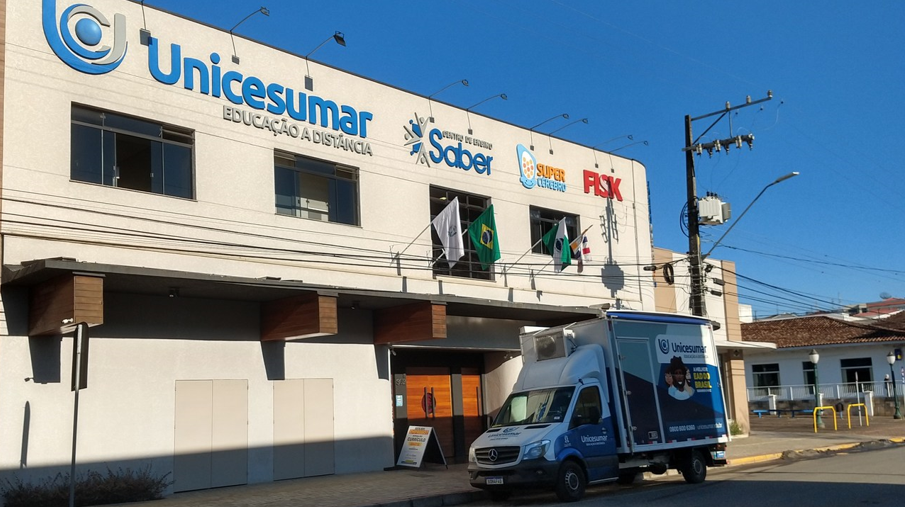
column 472, row 405
column 428, row 398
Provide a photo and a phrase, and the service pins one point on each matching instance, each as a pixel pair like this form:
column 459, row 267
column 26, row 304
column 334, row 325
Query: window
column 587, row 408
column 122, row 151
column 857, row 370
column 543, row 220
column 470, row 208
column 808, row 368
column 765, row 375
column 315, row 189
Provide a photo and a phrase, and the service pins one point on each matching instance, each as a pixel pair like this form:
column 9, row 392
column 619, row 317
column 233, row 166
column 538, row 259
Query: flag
column 483, row 235
column 449, row 228
column 580, row 250
column 557, row 242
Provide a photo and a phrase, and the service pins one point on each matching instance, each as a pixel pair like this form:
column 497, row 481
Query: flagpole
column 413, row 241
column 506, row 270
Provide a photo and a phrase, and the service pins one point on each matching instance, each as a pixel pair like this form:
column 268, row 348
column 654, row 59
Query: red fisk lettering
column 603, row 185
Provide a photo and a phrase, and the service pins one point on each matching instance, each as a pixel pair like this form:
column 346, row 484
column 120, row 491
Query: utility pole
column 692, row 147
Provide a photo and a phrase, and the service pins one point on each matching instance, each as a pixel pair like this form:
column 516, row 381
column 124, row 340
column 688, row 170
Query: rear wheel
column 571, row 482
column 694, row 469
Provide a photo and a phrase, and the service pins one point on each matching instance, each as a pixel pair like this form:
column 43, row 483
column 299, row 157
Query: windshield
column 539, row 406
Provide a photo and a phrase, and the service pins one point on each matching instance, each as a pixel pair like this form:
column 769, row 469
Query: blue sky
column 831, row 236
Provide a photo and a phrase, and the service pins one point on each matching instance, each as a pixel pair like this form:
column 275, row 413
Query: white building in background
column 252, row 256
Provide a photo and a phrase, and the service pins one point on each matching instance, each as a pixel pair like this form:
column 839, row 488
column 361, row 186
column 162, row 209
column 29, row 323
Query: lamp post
column 891, row 359
column 814, row 357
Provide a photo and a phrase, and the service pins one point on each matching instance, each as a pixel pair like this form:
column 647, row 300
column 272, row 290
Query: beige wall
column 664, row 292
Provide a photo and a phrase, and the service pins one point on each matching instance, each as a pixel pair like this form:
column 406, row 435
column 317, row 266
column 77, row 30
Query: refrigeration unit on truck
column 603, row 400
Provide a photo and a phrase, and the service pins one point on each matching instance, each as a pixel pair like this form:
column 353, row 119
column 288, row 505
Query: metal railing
column 851, row 390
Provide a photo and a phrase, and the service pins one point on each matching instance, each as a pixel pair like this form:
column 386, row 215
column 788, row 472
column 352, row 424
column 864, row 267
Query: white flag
column 449, row 228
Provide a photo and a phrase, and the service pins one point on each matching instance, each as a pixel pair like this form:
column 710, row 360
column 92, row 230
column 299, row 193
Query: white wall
column 829, row 369
column 126, row 414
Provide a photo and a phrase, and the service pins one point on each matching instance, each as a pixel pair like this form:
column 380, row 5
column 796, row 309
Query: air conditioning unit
column 552, row 345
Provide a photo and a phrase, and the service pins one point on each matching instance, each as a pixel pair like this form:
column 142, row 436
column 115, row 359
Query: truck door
column 591, row 432
column 639, row 391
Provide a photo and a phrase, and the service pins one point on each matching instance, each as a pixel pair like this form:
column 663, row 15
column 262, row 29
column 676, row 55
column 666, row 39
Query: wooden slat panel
column 408, row 323
column 472, row 406
column 296, row 317
column 70, row 297
column 441, row 417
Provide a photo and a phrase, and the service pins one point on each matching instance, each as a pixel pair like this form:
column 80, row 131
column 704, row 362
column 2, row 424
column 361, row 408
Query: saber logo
column 83, row 51
column 417, row 137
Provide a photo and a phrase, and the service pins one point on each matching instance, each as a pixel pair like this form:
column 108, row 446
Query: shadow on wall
column 226, row 467
column 130, row 316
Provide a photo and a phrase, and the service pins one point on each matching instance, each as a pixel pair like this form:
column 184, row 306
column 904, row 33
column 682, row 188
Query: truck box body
column 623, row 393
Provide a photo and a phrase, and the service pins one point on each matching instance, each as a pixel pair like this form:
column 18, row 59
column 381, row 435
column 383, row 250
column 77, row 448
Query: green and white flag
column 483, row 235
column 557, row 242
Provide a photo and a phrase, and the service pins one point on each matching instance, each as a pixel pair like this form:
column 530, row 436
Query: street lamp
column 814, row 357
column 550, row 142
column 340, row 39
column 891, row 359
column 262, row 10
column 778, row 180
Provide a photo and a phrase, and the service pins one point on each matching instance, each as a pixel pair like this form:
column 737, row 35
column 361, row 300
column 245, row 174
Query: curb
column 747, row 460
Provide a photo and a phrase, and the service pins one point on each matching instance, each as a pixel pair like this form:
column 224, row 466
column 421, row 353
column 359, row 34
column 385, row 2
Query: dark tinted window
column 121, row 151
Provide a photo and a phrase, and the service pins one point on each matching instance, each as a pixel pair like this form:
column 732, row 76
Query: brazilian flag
column 483, row 235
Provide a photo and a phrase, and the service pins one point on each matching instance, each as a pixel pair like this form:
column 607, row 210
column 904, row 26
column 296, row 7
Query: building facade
column 852, row 358
column 247, row 236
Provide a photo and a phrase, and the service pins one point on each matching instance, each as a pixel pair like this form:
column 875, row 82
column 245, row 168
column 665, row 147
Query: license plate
column 494, row 480
column 718, row 454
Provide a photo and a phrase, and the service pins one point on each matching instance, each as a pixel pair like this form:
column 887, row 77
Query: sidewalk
column 435, row 485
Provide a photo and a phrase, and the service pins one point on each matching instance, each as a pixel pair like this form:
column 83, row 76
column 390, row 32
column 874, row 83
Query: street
column 873, row 478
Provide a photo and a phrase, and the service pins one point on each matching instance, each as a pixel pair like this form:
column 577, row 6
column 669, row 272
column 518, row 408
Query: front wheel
column 571, row 482
column 694, row 470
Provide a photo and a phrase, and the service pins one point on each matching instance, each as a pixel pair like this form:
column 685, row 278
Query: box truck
column 603, row 400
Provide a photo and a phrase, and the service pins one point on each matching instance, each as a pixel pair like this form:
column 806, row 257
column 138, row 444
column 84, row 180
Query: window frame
column 757, row 376
column 114, row 135
column 310, row 168
column 470, row 208
column 541, row 221
column 850, row 366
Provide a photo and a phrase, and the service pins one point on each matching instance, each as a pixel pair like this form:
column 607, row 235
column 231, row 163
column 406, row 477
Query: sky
column 831, row 236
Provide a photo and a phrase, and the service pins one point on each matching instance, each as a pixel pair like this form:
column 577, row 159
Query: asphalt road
column 874, row 477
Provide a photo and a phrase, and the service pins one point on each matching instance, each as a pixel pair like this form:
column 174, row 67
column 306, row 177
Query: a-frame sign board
column 421, row 444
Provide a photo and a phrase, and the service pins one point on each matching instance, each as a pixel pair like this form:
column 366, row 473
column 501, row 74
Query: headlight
column 536, row 450
column 471, row 455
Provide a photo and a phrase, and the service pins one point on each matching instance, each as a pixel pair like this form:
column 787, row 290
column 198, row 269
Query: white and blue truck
column 603, row 400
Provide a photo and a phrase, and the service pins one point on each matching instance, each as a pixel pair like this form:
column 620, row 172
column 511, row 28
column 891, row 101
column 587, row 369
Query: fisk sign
column 602, row 185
